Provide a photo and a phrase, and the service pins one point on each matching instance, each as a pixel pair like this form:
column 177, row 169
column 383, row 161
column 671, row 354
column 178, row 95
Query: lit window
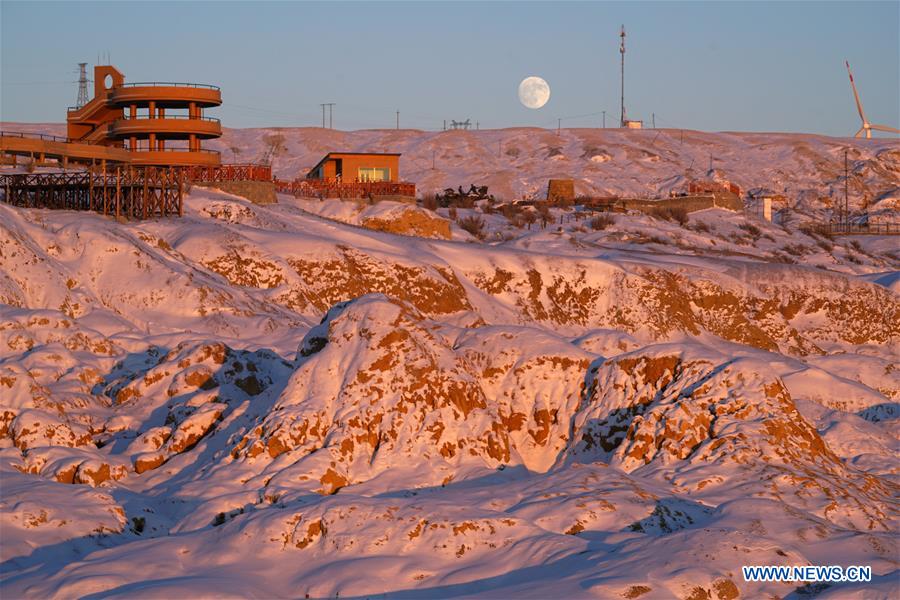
column 374, row 174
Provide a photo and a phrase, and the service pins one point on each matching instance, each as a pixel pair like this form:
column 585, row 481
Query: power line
column 38, row 82
column 267, row 110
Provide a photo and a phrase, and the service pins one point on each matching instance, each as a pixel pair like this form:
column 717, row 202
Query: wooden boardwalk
column 131, row 192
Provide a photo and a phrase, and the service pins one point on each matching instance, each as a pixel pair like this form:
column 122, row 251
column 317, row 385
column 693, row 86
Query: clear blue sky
column 755, row 66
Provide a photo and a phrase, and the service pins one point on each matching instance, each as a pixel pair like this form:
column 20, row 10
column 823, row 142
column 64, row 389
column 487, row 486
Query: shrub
column 530, row 218
column 543, row 212
column 702, row 227
column 679, row 214
column 601, row 222
column 671, row 213
column 429, row 202
column 796, row 249
column 809, row 229
column 825, row 245
column 783, row 258
column 473, row 224
column 751, row 229
column 138, row 524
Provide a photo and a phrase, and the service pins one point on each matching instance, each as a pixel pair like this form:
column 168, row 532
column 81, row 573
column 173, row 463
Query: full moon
column 534, row 92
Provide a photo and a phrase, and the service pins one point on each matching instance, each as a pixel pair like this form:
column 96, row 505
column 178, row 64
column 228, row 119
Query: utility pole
column 477, row 125
column 622, row 52
column 558, row 125
column 653, row 119
column 330, row 114
column 604, row 119
column 710, row 163
column 445, row 124
column 398, row 119
column 846, row 189
column 323, row 115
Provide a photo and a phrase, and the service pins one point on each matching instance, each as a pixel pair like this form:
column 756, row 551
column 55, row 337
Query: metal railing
column 40, row 136
column 170, row 84
column 861, row 228
column 47, row 137
column 177, row 149
column 166, row 117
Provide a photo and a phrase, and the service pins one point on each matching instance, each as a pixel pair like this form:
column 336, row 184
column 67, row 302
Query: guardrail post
column 118, row 190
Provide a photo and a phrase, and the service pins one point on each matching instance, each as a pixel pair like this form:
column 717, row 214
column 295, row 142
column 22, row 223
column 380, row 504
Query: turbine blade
column 859, row 132
column 855, row 94
column 885, row 128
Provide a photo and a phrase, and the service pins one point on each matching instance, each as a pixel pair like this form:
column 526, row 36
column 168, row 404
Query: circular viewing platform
column 176, row 157
column 164, row 95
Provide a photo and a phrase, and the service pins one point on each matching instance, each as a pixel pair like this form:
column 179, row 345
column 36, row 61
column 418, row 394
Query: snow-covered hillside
column 808, row 169
column 290, row 400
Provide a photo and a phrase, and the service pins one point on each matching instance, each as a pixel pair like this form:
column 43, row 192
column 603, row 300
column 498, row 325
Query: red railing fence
column 325, row 188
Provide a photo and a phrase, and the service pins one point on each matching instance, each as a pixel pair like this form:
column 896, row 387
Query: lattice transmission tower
column 82, row 86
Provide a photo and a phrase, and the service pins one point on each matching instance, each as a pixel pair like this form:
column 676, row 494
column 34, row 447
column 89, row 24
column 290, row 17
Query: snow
column 275, row 401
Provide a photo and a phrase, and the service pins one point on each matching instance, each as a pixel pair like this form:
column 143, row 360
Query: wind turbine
column 866, row 126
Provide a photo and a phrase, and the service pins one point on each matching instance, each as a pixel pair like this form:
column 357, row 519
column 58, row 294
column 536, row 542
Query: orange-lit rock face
column 372, row 413
column 425, row 396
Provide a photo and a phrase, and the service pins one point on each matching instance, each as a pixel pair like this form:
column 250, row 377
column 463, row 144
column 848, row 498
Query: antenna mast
column 82, row 86
column 622, row 52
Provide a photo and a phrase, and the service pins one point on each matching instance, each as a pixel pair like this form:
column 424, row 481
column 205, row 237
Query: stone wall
column 689, row 203
column 258, row 192
column 394, row 198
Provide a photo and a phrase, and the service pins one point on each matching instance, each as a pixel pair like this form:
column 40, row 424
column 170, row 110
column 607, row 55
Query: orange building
column 159, row 123
column 357, row 166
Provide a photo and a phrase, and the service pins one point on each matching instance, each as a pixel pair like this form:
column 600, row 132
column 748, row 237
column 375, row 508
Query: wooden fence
column 861, row 228
column 211, row 174
column 325, row 188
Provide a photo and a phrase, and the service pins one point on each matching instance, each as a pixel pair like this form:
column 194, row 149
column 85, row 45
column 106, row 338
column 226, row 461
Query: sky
column 714, row 66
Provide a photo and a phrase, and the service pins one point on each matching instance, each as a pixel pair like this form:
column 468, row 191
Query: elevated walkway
column 131, row 192
column 41, row 147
